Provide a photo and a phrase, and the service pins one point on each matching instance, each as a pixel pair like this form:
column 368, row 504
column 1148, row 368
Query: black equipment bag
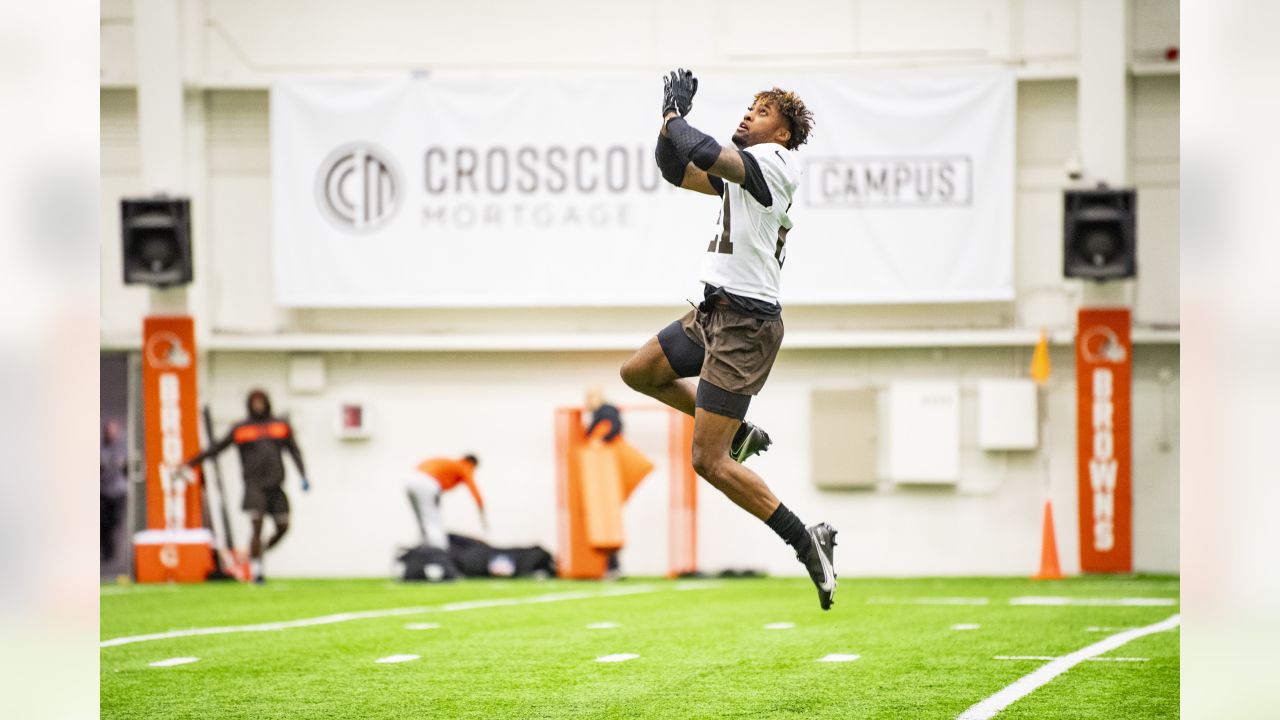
column 474, row 558
column 429, row 564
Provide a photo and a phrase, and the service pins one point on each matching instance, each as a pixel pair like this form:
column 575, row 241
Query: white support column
column 161, row 133
column 1104, row 91
column 1103, row 107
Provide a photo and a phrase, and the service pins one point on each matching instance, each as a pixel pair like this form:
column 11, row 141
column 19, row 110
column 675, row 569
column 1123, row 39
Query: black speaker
column 156, row 234
column 1098, row 234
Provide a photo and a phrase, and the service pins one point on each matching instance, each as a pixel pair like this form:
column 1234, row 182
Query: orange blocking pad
column 633, row 465
column 607, row 475
column 181, row 555
column 600, row 482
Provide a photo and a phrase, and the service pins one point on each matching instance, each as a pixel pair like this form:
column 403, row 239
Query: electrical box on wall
column 353, row 421
column 843, row 437
column 1007, row 415
column 920, row 426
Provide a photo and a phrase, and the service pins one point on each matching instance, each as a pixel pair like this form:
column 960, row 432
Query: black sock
column 741, row 435
column 789, row 528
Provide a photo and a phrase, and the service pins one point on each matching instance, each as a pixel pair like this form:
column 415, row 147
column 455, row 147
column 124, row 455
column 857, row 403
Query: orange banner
column 170, row 420
column 1104, row 363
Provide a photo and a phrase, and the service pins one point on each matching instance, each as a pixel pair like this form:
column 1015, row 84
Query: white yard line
column 928, row 601
column 1028, row 684
column 173, row 661
column 369, row 614
column 391, row 659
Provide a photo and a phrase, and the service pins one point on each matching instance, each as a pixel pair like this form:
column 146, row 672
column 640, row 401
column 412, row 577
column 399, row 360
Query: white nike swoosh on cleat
column 828, row 574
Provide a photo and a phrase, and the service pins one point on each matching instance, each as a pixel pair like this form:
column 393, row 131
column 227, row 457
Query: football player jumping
column 729, row 342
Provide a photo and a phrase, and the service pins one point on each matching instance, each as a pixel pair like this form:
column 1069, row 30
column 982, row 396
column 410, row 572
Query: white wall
column 502, row 407
column 500, row 404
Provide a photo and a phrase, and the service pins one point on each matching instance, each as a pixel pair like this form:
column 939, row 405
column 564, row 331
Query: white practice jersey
column 745, row 257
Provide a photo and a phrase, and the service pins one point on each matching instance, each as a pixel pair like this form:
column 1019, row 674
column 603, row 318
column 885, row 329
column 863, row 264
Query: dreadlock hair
column 799, row 117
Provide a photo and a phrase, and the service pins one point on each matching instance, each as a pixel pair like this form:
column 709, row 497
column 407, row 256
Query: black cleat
column 819, row 561
column 754, row 441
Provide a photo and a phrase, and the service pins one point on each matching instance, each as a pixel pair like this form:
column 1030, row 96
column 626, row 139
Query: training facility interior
column 488, row 380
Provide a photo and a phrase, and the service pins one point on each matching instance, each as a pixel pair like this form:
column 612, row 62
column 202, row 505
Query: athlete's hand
column 678, row 89
column 306, row 486
column 484, row 522
column 668, row 96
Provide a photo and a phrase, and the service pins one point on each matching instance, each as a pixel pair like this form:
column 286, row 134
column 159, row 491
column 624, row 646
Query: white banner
column 513, row 190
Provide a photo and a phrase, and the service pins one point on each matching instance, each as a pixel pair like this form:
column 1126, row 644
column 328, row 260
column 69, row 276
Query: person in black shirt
column 262, row 439
column 603, row 412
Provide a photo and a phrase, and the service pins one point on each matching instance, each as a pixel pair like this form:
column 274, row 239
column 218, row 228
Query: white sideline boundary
column 370, row 614
column 1055, row 657
column 1027, row 684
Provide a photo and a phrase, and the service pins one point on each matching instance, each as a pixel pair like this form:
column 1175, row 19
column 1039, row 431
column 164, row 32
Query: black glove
column 678, row 89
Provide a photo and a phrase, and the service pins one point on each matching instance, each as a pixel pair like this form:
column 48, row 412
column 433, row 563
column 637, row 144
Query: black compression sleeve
column 669, row 161
column 701, row 149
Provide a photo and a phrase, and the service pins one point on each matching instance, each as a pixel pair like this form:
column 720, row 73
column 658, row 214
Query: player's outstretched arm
column 680, row 172
column 211, row 451
column 707, row 162
column 677, row 100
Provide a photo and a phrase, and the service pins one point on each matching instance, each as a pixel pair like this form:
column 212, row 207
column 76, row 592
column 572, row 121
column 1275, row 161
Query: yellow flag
column 1040, row 360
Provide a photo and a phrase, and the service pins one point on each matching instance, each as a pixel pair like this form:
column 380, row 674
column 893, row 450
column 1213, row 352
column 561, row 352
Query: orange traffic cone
column 1049, row 569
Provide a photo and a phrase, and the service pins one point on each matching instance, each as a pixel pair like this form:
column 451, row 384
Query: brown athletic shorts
column 740, row 348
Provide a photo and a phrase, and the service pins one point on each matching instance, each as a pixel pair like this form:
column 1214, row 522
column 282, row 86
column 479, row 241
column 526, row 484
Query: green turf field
column 523, row 649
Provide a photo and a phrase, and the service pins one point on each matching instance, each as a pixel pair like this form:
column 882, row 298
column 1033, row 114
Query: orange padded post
column 683, row 521
column 575, row 558
column 593, row 481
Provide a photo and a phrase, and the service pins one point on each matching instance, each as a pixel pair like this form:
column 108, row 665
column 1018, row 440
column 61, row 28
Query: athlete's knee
column 635, row 373
column 709, row 463
column 281, row 529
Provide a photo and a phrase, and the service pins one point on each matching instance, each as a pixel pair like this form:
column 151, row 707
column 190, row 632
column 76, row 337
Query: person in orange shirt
column 435, row 476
